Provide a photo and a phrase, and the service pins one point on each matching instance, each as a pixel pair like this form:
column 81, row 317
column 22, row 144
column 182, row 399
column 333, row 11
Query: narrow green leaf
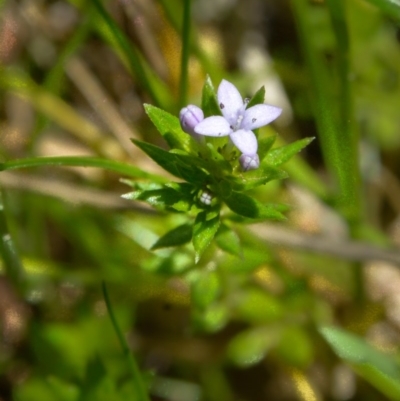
column 128, row 49
column 354, row 349
column 203, row 233
column 205, row 289
column 228, row 240
column 264, row 145
column 258, row 98
column 161, row 198
column 185, row 53
column 380, row 369
column 179, row 165
column 339, row 146
column 170, row 128
column 281, row 155
column 248, row 207
column 177, row 236
column 81, row 161
column 209, row 102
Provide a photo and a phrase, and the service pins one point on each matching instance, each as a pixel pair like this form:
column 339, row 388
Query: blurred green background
column 309, row 310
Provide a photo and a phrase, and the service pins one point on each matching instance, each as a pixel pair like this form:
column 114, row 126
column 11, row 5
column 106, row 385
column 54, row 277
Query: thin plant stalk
column 183, row 84
column 12, row 263
column 133, row 366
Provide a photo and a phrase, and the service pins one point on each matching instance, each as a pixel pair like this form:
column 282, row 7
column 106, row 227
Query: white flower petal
column 245, row 141
column 230, row 101
column 259, row 115
column 213, row 126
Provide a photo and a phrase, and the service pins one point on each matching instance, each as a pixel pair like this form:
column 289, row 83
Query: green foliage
column 228, row 240
column 168, row 126
column 381, row 370
column 177, row 236
column 199, row 293
column 204, row 230
column 205, row 289
column 209, row 169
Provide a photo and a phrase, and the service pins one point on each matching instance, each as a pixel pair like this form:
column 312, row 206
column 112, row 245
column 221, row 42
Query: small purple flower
column 189, row 117
column 238, row 122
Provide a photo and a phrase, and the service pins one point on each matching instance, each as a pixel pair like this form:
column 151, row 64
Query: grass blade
column 183, row 84
column 338, row 146
column 81, row 161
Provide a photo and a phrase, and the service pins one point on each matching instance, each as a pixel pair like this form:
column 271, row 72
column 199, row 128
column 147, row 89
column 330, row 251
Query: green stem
column 133, row 366
column 185, row 54
column 12, row 263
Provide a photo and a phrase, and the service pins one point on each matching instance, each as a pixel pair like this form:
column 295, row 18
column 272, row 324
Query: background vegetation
column 308, row 309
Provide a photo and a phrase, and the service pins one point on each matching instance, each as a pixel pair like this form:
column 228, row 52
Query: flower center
column 238, row 122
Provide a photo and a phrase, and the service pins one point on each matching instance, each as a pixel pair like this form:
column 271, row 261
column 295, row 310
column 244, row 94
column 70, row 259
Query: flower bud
column 206, row 198
column 189, row 117
column 249, row 162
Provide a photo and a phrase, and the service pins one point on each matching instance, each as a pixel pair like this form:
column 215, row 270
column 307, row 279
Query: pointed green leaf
column 264, row 145
column 176, row 164
column 379, row 369
column 205, row 289
column 160, row 198
column 177, row 236
column 258, row 98
column 170, row 128
column 354, row 349
column 209, row 102
column 228, row 240
column 203, row 233
column 250, row 346
column 281, row 155
column 248, row 207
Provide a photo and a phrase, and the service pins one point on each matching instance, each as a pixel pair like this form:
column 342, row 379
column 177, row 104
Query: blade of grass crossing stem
column 338, row 147
column 185, row 53
column 9, row 255
column 133, row 57
column 133, row 366
column 81, row 161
